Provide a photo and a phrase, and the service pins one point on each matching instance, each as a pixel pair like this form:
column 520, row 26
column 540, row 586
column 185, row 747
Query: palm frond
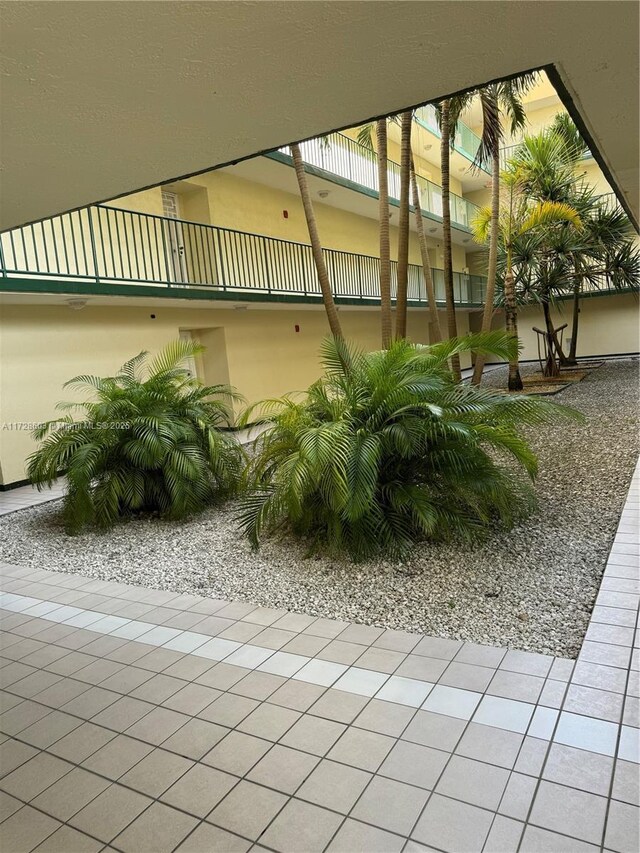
column 549, row 213
column 174, row 355
column 386, row 450
column 492, row 133
column 146, row 444
column 365, row 136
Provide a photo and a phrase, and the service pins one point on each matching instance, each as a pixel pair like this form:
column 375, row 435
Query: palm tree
column 424, row 255
column 153, row 439
column 385, row 247
column 523, row 225
column 406, row 122
column 498, row 100
column 316, row 246
column 449, row 112
column 365, row 139
column 386, row 450
column 598, row 250
column 445, row 151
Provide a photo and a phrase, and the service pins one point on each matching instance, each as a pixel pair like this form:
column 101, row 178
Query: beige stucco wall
column 609, row 325
column 234, row 202
column 257, row 349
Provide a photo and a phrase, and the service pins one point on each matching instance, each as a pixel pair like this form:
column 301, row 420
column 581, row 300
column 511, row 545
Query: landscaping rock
column 530, row 588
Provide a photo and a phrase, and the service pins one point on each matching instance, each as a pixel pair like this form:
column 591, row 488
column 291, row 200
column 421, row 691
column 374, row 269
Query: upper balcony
column 341, row 160
column 466, row 142
column 108, row 251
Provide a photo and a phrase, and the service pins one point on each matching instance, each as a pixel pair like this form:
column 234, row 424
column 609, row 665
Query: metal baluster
column 209, row 260
column 64, row 245
column 92, row 239
column 135, row 217
column 163, row 231
column 35, row 248
column 126, row 240
column 109, row 211
column 226, row 249
column 84, row 242
column 3, row 268
column 73, row 243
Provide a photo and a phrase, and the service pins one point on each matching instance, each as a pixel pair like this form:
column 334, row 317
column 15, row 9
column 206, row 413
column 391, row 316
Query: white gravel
column 532, row 588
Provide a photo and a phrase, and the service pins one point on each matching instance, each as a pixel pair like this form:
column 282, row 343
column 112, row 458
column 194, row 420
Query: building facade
column 223, row 258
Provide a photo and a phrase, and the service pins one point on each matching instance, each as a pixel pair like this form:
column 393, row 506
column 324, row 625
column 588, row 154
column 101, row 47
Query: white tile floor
column 552, row 770
column 23, row 497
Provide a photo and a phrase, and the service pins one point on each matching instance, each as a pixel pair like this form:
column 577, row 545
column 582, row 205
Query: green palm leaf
column 147, row 443
column 386, row 450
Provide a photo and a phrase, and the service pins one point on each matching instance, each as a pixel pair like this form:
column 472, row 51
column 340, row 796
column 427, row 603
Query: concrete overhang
column 104, row 98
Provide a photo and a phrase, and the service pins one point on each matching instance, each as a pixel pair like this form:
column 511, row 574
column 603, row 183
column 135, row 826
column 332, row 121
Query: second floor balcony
column 109, row 251
column 106, row 250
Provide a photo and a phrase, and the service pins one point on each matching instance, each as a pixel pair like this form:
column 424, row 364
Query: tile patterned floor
column 142, row 720
column 26, row 496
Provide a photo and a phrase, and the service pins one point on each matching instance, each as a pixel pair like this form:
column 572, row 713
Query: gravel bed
column 531, row 588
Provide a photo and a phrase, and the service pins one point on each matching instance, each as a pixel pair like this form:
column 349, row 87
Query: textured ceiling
column 100, row 99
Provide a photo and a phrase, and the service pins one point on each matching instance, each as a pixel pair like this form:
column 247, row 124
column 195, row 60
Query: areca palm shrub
column 150, row 440
column 386, row 449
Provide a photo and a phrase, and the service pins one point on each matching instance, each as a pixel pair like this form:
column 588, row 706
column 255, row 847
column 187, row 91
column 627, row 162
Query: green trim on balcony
column 73, row 287
column 348, row 163
column 109, row 251
column 106, row 250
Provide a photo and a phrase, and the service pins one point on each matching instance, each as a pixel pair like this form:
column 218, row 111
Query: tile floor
column 26, row 496
column 143, row 720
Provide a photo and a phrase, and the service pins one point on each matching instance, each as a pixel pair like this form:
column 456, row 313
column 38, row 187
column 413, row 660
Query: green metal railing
column 339, row 156
column 106, row 246
column 466, row 141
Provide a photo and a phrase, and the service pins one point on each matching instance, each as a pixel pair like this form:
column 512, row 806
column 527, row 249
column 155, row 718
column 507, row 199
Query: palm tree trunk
column 445, row 152
column 487, row 315
column 383, row 224
column 424, row 254
column 551, row 367
column 403, row 225
column 573, row 349
column 316, row 246
column 511, row 324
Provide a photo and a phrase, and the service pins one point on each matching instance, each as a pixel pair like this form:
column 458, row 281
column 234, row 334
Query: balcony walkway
column 108, row 251
column 142, row 720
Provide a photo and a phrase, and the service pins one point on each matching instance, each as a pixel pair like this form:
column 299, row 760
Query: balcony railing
column 337, row 155
column 466, row 141
column 103, row 246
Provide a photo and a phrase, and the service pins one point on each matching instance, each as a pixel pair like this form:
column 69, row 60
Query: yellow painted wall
column 264, row 354
column 257, row 350
column 234, row 202
column 608, row 325
column 480, row 197
column 593, row 176
column 147, row 201
column 537, row 120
